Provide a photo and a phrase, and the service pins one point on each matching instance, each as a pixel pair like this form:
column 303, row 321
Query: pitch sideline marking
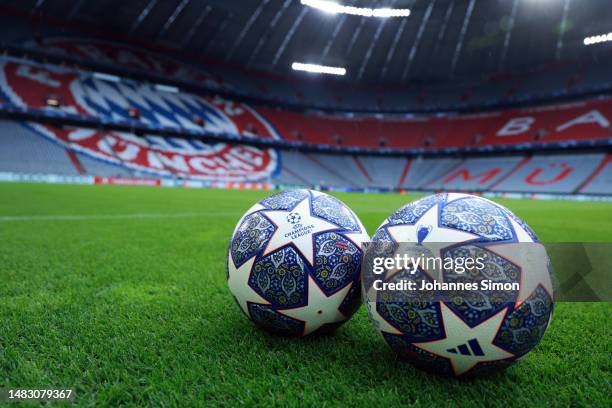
column 112, row 216
column 12, row 218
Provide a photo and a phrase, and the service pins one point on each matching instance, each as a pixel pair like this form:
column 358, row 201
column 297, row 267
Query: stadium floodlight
column 596, row 39
column 318, row 69
column 335, row 8
column 390, row 12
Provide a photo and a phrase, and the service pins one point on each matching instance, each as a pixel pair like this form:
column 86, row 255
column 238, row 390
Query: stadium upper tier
column 34, row 148
column 564, row 79
column 54, row 91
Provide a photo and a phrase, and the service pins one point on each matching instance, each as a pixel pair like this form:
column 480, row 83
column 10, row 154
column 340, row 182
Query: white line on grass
column 9, row 218
column 12, row 218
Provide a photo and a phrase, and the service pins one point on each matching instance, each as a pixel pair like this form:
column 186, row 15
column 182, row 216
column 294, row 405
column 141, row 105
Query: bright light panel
column 335, row 8
column 318, row 69
column 596, row 39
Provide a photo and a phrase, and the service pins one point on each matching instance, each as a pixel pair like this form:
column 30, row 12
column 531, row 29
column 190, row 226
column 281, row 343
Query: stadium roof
column 439, row 40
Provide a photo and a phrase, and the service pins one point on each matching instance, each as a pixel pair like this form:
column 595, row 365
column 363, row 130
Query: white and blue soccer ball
column 477, row 331
column 294, row 262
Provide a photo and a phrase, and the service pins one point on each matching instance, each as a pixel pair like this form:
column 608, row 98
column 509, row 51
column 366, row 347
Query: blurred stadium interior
column 498, row 97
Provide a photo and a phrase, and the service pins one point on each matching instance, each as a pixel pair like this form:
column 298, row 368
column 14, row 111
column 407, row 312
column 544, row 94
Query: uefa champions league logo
column 294, row 218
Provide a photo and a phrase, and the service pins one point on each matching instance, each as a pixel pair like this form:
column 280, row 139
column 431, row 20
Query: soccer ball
column 294, row 262
column 477, row 331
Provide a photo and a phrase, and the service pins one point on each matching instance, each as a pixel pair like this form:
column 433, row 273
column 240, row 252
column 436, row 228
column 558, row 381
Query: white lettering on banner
column 80, row 134
column 516, row 126
column 104, row 147
column 176, row 162
column 40, row 76
column 593, row 116
column 153, row 161
column 252, row 157
column 201, row 164
column 128, row 153
column 235, row 161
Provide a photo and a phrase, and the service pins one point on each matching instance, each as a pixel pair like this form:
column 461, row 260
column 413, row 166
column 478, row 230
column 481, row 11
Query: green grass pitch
column 120, row 293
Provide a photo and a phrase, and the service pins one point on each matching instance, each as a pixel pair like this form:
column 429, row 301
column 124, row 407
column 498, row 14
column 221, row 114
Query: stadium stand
column 24, row 151
column 474, row 174
column 554, row 173
column 600, row 182
column 549, row 81
column 383, row 172
column 27, row 85
column 184, row 135
column 99, row 168
column 422, row 171
column 30, row 148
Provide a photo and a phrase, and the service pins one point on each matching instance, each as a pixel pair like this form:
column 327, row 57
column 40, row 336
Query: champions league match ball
column 294, row 263
column 471, row 332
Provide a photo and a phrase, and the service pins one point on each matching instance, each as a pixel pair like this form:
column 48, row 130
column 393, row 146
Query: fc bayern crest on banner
column 27, row 84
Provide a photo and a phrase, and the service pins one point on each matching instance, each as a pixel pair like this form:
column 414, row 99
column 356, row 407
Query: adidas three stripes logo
column 464, row 349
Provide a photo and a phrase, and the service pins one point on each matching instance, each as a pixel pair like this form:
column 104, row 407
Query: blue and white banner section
column 478, row 278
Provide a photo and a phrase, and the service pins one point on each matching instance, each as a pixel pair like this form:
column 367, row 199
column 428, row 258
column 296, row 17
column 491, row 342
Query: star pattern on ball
column 380, row 322
column 239, row 285
column 320, row 309
column 467, row 346
column 298, row 233
column 450, row 197
column 253, row 209
column 533, row 260
column 428, row 231
column 357, row 237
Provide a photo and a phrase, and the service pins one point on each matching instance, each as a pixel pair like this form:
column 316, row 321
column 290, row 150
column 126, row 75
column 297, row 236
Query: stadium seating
column 35, row 148
column 422, row 172
column 543, row 82
column 475, row 174
column 100, row 168
column 24, row 151
column 29, row 148
column 600, row 181
column 553, row 173
column 26, row 85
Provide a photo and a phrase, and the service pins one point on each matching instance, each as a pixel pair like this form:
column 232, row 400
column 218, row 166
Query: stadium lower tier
column 33, row 148
column 56, row 91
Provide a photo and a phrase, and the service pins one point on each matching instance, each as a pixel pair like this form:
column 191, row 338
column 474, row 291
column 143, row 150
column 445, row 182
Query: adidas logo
column 465, row 350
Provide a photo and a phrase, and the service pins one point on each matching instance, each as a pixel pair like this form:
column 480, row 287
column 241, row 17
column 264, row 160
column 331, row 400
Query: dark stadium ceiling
column 440, row 40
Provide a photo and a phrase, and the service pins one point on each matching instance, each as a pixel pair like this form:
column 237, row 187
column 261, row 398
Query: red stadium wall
column 586, row 120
